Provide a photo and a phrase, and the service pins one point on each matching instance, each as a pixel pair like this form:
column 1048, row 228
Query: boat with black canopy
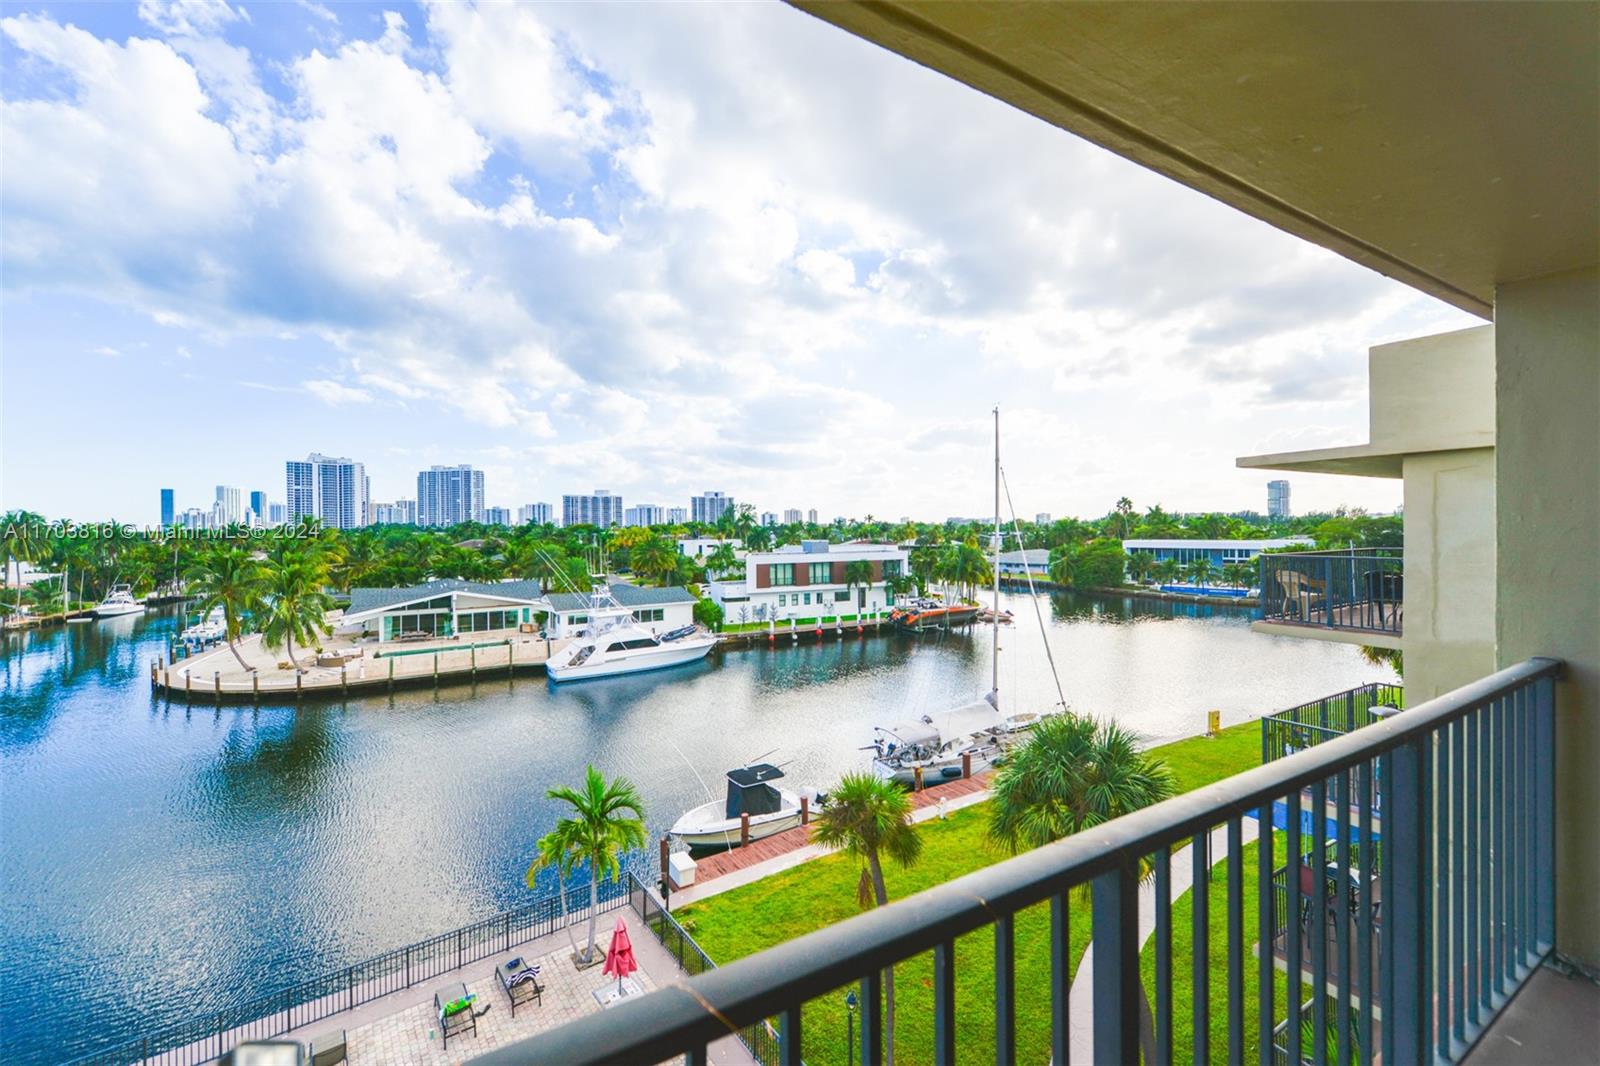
column 750, row 791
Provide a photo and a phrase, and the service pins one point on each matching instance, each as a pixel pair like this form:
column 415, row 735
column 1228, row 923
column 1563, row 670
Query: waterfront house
column 1453, row 148
column 807, row 580
column 444, row 608
column 1018, row 563
column 1220, row 552
column 660, row 609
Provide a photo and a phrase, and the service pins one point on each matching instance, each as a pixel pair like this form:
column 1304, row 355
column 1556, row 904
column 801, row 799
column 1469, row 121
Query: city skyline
column 573, row 285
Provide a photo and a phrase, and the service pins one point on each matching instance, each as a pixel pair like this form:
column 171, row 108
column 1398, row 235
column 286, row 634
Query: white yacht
column 118, row 601
column 718, row 824
column 613, row 642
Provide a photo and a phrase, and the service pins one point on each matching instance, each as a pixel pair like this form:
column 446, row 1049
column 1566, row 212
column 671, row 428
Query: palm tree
column 1063, row 561
column 1166, row 569
column 1200, row 569
column 654, row 558
column 722, row 559
column 296, row 606
column 607, row 820
column 1073, row 774
column 1238, row 574
column 1122, row 519
column 858, row 572
column 1140, row 566
column 868, row 818
column 230, row 578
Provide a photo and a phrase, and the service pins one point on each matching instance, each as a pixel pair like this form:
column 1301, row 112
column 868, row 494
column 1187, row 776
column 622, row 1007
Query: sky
column 657, row 249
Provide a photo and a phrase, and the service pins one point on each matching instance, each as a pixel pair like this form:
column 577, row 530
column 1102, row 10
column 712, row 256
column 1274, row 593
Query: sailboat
column 976, row 733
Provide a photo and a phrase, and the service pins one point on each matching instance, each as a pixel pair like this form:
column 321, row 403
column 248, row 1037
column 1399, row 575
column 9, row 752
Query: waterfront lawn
column 797, row 901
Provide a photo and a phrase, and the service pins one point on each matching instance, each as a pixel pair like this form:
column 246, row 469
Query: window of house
column 649, row 614
column 783, row 573
column 783, row 600
column 821, row 573
column 891, row 568
column 807, row 598
column 841, row 595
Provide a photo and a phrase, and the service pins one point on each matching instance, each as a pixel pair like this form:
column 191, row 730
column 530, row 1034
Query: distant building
column 193, row 518
column 1036, row 560
column 497, row 516
column 230, row 505
column 769, row 518
column 1220, row 552
column 277, row 514
column 334, row 490
column 791, row 516
column 168, row 513
column 807, row 580
column 644, row 514
column 448, row 495
column 258, row 504
column 700, row 547
column 383, row 514
column 538, row 513
column 811, row 516
column 709, row 507
column 1042, row 518
column 677, row 516
column 1278, row 499
column 599, row 509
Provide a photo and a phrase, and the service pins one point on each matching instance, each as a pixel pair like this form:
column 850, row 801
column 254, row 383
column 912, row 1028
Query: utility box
column 1213, row 723
column 680, row 870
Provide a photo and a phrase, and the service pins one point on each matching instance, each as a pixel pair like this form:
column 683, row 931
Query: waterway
column 159, row 860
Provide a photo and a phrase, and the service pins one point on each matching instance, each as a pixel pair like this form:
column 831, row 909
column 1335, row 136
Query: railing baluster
column 1116, row 965
column 1163, row 938
column 1458, row 880
column 696, row 1056
column 1497, row 908
column 789, row 1037
column 1483, row 878
column 1235, row 942
column 1544, row 816
column 1528, row 938
column 1060, row 976
column 872, row 1019
column 1319, row 924
column 1291, row 922
column 944, row 1004
column 1342, row 904
column 1200, row 942
column 1406, row 860
column 1005, row 990
column 1266, row 903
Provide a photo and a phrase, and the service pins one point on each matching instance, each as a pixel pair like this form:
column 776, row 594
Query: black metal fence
column 210, row 1034
column 1464, row 906
column 759, row 1038
column 1359, row 589
column 1309, row 724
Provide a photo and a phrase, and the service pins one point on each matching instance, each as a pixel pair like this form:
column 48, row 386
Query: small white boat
column 937, row 743
column 615, row 643
column 208, row 630
column 718, row 824
column 119, row 601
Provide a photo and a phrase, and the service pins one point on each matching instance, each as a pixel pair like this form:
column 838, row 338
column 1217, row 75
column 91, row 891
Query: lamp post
column 850, row 1028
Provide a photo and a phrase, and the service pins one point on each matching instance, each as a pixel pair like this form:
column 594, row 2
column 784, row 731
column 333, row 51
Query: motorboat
column 926, row 612
column 119, row 601
column 613, row 642
column 718, row 824
column 939, row 744
column 209, row 630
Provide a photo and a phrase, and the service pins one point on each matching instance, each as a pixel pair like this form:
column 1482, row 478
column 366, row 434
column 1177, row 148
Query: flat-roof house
column 443, row 608
column 807, row 580
column 662, row 609
column 1024, row 560
column 1220, row 552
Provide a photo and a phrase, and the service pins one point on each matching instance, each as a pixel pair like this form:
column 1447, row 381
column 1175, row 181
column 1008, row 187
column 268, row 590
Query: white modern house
column 1220, row 552
column 446, row 609
column 1021, row 562
column 662, row 610
column 807, row 580
column 700, row 547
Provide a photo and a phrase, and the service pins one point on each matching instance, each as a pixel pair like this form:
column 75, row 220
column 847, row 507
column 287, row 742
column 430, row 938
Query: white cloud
column 335, row 394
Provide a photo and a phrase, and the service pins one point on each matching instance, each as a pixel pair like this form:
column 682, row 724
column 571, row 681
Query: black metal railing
column 1286, row 732
column 1359, row 589
column 210, row 1034
column 759, row 1038
column 1468, row 909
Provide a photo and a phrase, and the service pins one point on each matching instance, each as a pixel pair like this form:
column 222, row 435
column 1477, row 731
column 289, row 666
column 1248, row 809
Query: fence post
column 508, row 930
column 1406, row 819
column 408, row 965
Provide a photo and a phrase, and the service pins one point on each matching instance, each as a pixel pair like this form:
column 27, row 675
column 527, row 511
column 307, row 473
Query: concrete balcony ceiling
column 1451, row 146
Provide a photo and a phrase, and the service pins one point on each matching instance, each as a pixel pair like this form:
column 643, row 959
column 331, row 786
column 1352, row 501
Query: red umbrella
column 619, row 957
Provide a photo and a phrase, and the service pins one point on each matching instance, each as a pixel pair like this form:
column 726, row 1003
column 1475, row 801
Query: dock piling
column 435, row 669
column 805, row 810
column 255, row 688
column 966, row 765
column 744, row 828
column 344, row 678
column 188, row 688
column 391, row 673
column 917, row 770
column 299, row 683
column 216, row 686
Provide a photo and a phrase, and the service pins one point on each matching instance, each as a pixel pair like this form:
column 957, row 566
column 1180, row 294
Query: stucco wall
column 1432, row 392
column 1547, row 356
column 1449, row 632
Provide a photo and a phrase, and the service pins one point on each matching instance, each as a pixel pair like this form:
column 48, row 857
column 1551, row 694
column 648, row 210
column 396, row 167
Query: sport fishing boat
column 718, row 824
column 614, row 642
column 118, row 601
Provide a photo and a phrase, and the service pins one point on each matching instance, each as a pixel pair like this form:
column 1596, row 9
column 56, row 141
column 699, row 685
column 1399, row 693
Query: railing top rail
column 1337, row 553
column 715, row 1003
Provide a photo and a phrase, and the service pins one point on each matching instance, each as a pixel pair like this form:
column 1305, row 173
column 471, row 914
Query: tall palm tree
column 1200, row 569
column 654, row 558
column 230, row 578
column 607, row 819
column 868, row 818
column 722, row 559
column 1063, row 564
column 1166, row 569
column 1075, row 773
column 1122, row 519
column 296, row 606
column 858, row 574
column 1140, row 566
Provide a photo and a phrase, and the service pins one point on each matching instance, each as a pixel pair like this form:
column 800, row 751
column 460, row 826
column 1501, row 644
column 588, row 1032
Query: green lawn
column 789, row 904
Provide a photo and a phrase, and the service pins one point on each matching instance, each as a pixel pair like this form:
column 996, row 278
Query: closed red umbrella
column 619, row 957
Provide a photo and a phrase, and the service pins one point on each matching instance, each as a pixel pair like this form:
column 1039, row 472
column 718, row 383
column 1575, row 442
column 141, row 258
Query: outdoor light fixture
column 850, row 1028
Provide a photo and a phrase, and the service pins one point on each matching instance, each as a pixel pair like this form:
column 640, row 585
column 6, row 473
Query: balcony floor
column 1554, row 1019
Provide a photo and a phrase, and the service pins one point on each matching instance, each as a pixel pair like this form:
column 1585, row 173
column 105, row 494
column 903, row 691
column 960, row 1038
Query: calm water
column 159, row 860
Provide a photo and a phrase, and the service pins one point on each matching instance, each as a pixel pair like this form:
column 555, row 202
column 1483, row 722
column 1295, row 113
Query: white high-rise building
column 334, row 490
column 448, row 495
column 709, row 507
column 1278, row 499
column 791, row 516
column 1042, row 518
column 811, row 516
column 600, row 509
column 537, row 513
column 497, row 516
column 644, row 514
column 769, row 518
column 230, row 505
column 277, row 514
column 677, row 516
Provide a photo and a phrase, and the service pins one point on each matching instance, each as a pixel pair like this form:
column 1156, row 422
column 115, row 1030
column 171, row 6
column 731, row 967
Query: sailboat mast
column 994, row 562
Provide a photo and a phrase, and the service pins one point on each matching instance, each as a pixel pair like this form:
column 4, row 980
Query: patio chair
column 1299, row 593
column 521, row 982
column 455, row 1022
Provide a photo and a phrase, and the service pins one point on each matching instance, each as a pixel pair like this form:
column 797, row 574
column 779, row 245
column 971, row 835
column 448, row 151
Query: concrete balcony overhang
column 1451, row 146
column 1371, row 638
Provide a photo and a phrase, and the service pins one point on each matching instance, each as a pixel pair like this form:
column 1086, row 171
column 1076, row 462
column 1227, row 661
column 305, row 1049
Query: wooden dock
column 790, row 840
